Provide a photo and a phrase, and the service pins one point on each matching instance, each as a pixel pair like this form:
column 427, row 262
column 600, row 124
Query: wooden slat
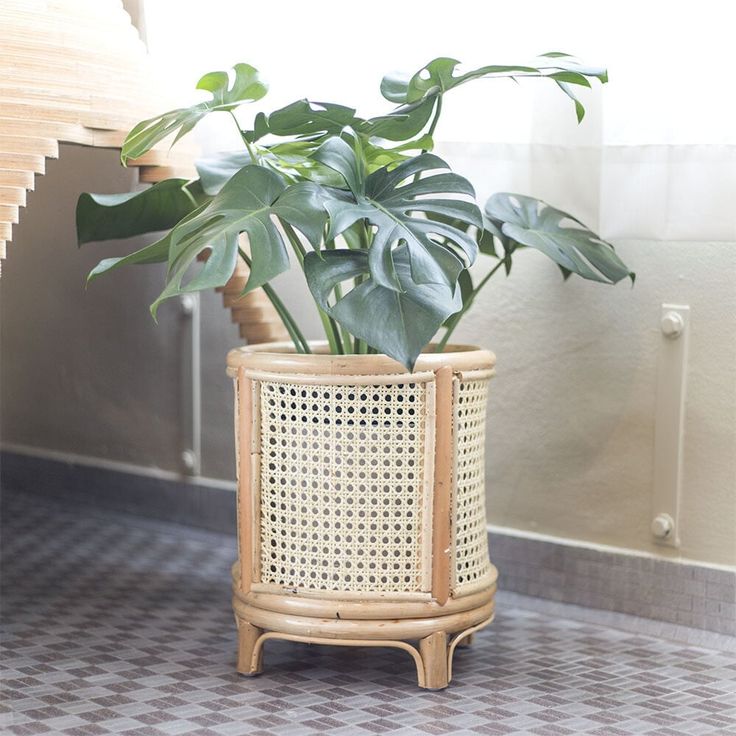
column 152, row 174
column 13, row 196
column 443, row 461
column 48, row 147
column 43, row 128
column 17, row 178
column 9, row 213
column 245, row 479
column 23, row 162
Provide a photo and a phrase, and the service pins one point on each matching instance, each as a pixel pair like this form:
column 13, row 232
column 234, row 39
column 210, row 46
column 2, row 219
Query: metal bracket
column 191, row 386
column 669, row 424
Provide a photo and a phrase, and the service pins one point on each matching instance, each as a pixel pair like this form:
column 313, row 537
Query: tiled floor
column 117, row 625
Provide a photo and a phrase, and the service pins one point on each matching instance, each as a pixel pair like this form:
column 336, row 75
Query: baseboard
column 683, row 593
column 153, row 493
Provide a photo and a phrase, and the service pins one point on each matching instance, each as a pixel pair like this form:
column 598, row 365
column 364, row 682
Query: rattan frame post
column 361, row 503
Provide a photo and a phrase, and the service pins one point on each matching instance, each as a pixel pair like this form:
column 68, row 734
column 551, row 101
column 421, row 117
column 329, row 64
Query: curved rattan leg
column 247, row 637
column 458, row 640
column 433, row 649
column 466, row 642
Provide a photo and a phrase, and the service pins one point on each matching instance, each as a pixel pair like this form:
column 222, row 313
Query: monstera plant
column 384, row 231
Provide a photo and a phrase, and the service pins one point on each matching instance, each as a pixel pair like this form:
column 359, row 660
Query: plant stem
column 251, row 152
column 300, row 343
column 484, row 280
column 455, row 319
column 345, row 336
column 188, row 194
column 360, row 347
column 330, row 326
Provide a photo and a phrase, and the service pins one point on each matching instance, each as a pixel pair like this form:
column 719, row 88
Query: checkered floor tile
column 116, row 625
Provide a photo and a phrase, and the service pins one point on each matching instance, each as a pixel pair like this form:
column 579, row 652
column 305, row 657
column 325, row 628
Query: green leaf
column 485, row 237
column 247, row 203
column 216, row 170
column 159, row 207
column 397, row 323
column 579, row 109
column 260, row 128
column 294, row 160
column 536, row 224
column 291, row 159
column 215, row 271
column 440, row 75
column 306, row 118
column 394, row 86
column 390, row 200
column 157, row 252
column 246, row 87
column 403, row 123
column 378, row 156
column 465, row 284
column 337, row 155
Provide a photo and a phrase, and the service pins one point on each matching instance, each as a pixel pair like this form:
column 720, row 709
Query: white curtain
column 655, row 157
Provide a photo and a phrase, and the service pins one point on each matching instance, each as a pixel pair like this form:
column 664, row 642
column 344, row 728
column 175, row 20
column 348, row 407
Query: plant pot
column 361, row 502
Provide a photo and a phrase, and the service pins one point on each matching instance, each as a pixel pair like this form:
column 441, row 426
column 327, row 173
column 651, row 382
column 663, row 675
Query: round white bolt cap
column 188, row 304
column 662, row 526
column 189, row 460
column 672, row 325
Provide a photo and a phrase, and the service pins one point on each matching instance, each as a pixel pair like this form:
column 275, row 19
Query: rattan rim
column 281, row 358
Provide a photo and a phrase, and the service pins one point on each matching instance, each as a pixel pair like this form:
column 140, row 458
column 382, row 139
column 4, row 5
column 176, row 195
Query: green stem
column 300, row 343
column 485, row 279
column 188, row 194
column 251, row 152
column 360, row 347
column 345, row 336
column 455, row 319
column 330, row 326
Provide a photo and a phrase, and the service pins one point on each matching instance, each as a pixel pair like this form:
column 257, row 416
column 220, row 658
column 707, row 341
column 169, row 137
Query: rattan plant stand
column 361, row 503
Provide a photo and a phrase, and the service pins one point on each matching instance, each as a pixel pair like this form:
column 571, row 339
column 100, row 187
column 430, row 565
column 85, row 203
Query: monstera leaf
column 398, row 323
column 390, row 200
column 216, row 170
column 377, row 157
column 160, row 207
column 306, row 118
column 403, row 123
column 531, row 222
column 246, row 87
column 438, row 77
column 157, row 252
column 246, row 204
column 215, row 271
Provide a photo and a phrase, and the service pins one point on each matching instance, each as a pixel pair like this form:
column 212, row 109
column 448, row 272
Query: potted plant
column 361, row 500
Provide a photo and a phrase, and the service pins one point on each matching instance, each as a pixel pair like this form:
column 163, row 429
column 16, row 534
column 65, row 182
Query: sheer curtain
column 655, row 157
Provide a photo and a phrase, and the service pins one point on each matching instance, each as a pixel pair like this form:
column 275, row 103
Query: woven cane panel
column 342, row 486
column 471, row 541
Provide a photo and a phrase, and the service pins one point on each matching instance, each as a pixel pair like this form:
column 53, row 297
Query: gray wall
column 88, row 372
